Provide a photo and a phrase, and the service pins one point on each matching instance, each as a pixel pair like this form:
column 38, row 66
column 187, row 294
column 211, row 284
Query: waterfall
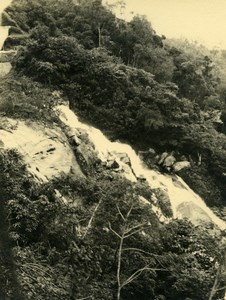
column 184, row 202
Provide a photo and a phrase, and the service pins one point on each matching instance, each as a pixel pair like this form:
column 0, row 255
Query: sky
column 201, row 20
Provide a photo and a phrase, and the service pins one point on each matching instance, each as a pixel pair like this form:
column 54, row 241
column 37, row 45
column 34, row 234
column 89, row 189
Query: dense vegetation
column 129, row 81
column 138, row 87
column 103, row 244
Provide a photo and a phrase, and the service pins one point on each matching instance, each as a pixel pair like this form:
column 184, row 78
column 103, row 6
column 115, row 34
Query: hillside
column 83, row 214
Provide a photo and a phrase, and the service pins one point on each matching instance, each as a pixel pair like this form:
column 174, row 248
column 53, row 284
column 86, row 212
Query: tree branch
column 134, row 232
column 222, row 288
column 156, row 256
column 91, row 219
column 215, row 284
column 135, row 227
column 139, row 250
column 138, row 273
column 119, row 211
column 129, row 212
column 109, row 224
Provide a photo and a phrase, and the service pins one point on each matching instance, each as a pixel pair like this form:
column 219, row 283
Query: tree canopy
column 138, row 87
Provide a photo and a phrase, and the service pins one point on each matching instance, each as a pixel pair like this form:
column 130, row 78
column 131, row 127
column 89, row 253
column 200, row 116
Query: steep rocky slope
column 72, row 147
column 83, row 217
column 45, row 150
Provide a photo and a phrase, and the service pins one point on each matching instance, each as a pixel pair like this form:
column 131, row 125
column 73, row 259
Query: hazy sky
column 202, row 20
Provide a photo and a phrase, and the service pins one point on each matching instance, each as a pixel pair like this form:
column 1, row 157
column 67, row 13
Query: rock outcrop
column 72, row 147
column 45, row 151
column 170, row 163
column 5, row 68
column 181, row 165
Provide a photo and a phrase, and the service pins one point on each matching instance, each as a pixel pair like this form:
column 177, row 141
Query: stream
column 184, row 201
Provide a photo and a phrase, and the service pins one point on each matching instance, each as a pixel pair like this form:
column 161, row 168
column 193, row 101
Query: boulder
column 126, row 172
column 125, row 159
column 180, row 165
column 75, row 141
column 112, row 164
column 72, row 135
column 86, row 156
column 169, row 161
column 5, row 68
column 162, row 158
column 69, row 132
column 141, row 178
column 7, row 56
column 151, row 152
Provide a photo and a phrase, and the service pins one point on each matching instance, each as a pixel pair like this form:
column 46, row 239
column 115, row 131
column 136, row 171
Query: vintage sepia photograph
column 112, row 150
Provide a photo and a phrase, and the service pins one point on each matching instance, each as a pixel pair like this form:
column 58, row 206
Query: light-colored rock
column 163, row 157
column 144, row 201
column 181, row 165
column 112, row 164
column 5, row 68
column 124, row 158
column 69, row 132
column 169, row 161
column 178, row 193
column 73, row 136
column 193, row 212
column 45, row 151
column 151, row 152
column 7, row 56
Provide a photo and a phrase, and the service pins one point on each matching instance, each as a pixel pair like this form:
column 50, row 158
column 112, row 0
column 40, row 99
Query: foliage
column 24, row 98
column 130, row 82
column 71, row 251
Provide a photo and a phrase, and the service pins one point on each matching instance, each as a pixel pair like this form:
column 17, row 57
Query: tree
column 128, row 229
column 219, row 280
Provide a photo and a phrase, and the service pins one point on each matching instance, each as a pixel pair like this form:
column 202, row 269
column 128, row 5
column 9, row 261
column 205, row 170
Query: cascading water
column 184, row 202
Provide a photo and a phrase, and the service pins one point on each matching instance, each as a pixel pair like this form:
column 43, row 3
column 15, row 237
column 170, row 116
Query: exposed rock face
column 45, row 151
column 124, row 158
column 5, row 68
column 163, row 157
column 95, row 147
column 7, row 56
column 180, row 165
column 193, row 212
column 73, row 136
column 169, row 161
column 112, row 164
column 75, row 148
column 86, row 157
